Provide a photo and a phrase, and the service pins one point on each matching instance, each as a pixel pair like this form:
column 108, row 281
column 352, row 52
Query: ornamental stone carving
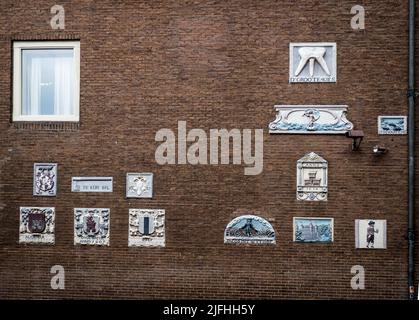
column 91, row 226
column 311, row 119
column 139, row 185
column 312, row 62
column 37, row 225
column 249, row 229
column 45, row 179
column 312, row 178
column 146, row 227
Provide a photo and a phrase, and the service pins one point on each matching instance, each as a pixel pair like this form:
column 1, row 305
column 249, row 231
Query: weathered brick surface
column 216, row 64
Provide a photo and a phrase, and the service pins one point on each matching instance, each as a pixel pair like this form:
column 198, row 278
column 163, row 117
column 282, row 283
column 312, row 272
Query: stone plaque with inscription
column 91, row 184
column 312, row 178
column 312, row 62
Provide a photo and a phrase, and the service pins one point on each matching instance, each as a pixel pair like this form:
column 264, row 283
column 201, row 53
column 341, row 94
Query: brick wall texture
column 145, row 65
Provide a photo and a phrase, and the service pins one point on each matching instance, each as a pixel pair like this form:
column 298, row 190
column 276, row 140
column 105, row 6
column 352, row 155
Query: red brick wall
column 216, row 64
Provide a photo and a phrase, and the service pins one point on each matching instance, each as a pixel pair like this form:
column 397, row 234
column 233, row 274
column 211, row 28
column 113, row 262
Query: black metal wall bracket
column 412, row 93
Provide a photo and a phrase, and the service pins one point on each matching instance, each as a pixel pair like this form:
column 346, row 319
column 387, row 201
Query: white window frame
column 18, row 46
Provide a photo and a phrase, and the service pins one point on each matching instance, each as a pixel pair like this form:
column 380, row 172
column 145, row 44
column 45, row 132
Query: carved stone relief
column 312, row 178
column 312, row 62
column 91, row 226
column 45, row 179
column 37, row 225
column 311, row 119
column 146, row 227
column 139, row 185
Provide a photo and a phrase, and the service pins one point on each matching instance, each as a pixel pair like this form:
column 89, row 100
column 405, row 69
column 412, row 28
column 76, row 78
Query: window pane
column 47, row 82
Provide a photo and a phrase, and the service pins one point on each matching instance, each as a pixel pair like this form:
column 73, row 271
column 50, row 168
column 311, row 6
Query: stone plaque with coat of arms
column 37, row 225
column 146, row 228
column 91, row 226
column 45, row 179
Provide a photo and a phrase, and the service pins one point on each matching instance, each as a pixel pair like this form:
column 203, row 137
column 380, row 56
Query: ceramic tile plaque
column 392, row 125
column 312, row 62
column 371, row 234
column 91, row 184
column 139, row 185
column 311, row 119
column 249, row 229
column 45, row 179
column 91, row 226
column 313, row 230
column 312, row 178
column 146, row 228
column 37, row 225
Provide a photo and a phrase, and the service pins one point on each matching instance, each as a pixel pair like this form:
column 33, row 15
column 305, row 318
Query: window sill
column 46, row 125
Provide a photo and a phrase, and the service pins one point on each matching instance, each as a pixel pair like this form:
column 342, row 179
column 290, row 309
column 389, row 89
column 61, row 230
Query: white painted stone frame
column 18, row 46
column 332, row 67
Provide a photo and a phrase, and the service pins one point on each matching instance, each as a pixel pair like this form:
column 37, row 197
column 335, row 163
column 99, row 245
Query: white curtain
column 63, row 85
column 33, row 92
column 41, row 72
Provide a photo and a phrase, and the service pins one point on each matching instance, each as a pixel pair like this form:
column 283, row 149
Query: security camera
column 379, row 150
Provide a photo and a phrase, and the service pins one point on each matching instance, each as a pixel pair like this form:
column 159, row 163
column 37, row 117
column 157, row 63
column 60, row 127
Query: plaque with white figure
column 139, row 185
column 312, row 62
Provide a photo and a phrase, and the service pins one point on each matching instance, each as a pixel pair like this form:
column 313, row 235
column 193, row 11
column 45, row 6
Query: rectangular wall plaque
column 392, row 125
column 312, row 178
column 146, row 228
column 139, row 185
column 311, row 119
column 312, row 62
column 91, row 226
column 91, row 184
column 45, row 179
column 37, row 225
column 317, row 230
column 371, row 234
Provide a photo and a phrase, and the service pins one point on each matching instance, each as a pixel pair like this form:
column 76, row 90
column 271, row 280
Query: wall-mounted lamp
column 356, row 136
column 379, row 150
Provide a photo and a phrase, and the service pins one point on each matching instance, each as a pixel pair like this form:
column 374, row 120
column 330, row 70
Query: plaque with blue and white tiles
column 392, row 125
